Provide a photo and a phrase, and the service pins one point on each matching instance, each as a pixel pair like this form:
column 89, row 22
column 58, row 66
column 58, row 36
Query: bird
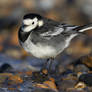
column 46, row 38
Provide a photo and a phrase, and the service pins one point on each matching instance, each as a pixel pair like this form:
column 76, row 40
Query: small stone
column 80, row 85
column 86, row 78
column 65, row 84
column 81, row 68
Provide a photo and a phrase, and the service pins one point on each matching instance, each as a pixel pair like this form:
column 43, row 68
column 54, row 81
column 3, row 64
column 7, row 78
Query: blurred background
column 15, row 61
column 75, row 12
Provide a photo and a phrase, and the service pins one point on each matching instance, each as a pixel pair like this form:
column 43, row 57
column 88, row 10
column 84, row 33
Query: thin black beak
column 23, row 25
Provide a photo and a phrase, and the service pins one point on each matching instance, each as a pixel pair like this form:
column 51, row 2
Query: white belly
column 39, row 51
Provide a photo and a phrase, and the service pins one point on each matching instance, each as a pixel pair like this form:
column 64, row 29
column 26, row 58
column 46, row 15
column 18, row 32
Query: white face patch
column 30, row 24
column 40, row 23
column 27, row 22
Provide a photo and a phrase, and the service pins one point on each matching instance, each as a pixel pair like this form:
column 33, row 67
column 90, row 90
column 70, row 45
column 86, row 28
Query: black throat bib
column 23, row 35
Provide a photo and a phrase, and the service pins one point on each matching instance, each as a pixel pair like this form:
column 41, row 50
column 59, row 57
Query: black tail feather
column 83, row 28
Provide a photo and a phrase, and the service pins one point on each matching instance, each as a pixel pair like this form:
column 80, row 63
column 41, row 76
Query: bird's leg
column 50, row 65
column 45, row 65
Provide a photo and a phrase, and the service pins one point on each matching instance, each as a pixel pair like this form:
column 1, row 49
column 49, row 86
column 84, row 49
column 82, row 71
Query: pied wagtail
column 46, row 38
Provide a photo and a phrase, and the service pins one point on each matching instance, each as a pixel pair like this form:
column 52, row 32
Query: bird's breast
column 38, row 50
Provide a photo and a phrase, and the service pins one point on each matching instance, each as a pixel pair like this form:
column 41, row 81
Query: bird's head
column 31, row 21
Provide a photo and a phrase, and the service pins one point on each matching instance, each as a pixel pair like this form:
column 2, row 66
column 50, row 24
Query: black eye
column 32, row 22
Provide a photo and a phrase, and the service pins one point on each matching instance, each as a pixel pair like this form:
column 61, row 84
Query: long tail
column 83, row 28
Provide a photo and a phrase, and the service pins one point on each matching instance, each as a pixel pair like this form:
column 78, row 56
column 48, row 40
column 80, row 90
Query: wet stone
column 6, row 68
column 81, row 68
column 66, row 83
column 75, row 90
column 39, row 77
column 86, row 78
column 43, row 90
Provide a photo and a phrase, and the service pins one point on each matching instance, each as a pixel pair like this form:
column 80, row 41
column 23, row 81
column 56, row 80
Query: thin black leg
column 50, row 65
column 45, row 65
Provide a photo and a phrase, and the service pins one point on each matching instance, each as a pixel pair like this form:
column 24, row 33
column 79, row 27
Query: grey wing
column 61, row 29
column 51, row 33
column 55, row 37
column 69, row 28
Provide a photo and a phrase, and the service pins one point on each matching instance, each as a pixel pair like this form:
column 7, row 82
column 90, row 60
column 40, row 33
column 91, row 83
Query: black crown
column 32, row 15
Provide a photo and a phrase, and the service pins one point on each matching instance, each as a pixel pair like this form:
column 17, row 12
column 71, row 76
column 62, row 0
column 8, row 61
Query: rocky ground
column 71, row 71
